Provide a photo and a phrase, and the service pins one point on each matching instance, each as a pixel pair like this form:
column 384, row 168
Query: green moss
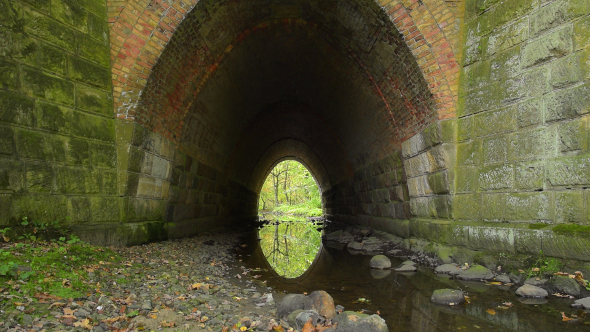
column 51, row 58
column 53, row 118
column 39, row 84
column 91, row 126
column 156, row 231
column 572, row 229
column 94, row 50
column 6, row 141
column 539, row 225
column 89, row 73
column 78, row 152
column 16, row 109
column 70, row 12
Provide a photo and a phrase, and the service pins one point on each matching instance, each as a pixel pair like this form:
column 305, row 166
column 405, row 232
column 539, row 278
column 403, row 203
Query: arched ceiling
column 238, row 76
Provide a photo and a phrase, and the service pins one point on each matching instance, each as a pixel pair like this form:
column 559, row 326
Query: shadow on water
column 403, row 299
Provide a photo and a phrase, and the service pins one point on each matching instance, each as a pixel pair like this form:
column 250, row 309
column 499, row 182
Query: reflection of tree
column 290, row 247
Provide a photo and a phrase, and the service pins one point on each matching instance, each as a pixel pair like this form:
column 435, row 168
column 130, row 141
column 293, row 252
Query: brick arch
column 141, row 29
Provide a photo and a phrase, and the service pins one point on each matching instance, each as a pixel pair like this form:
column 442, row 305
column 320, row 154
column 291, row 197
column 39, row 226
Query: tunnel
column 461, row 123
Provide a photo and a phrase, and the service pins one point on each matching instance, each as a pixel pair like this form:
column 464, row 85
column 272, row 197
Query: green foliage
column 32, row 231
column 545, row 266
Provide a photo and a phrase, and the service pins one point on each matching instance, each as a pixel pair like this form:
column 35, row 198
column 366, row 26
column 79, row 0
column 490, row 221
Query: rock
column 447, row 297
column 340, row 236
column 448, row 269
column 503, row 279
column 355, row 246
column 405, row 268
column 516, row 278
column 582, row 303
column 408, row 262
column 565, row 285
column 321, row 302
column 306, row 315
column 290, row 303
column 27, row 320
column 350, row 321
column 291, row 318
column 380, row 274
column 535, row 281
column 531, row 291
column 476, row 272
column 81, row 313
column 147, row 305
column 532, row 300
column 380, row 262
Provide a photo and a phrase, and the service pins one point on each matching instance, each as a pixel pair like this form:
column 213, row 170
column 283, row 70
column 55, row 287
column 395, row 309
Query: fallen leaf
column 497, row 283
column 278, row 328
column 243, row 328
column 503, row 307
column 85, row 324
column 508, row 304
column 308, row 327
column 565, row 318
column 491, row 311
column 153, row 316
column 353, row 318
column 68, row 311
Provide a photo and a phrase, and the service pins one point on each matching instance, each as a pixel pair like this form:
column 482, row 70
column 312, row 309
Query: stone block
column 50, row 30
column 105, row 209
column 476, row 75
column 532, row 144
column 39, row 84
column 438, row 182
column 109, row 182
column 508, row 36
column 568, row 171
column 568, row 103
column 16, row 109
column 566, row 246
column 6, row 141
column 464, row 128
column 5, row 209
column 94, row 100
column 495, row 239
column 556, row 14
column 98, row 28
column 534, row 82
column 505, row 65
column 78, row 180
column 549, row 46
column 529, row 176
column 40, row 177
column 570, row 206
column 8, row 75
column 36, row 145
column 70, row 12
column 467, row 207
column 40, row 207
column 94, row 50
column 496, row 177
column 41, row 5
column 528, row 241
column 53, row 118
column 535, row 206
column 479, row 100
column 87, row 72
column 448, row 130
column 507, row 10
column 495, row 149
column 103, row 155
column 12, row 175
column 530, row 112
column 469, row 153
column 567, row 70
column 489, row 123
column 51, row 58
column 420, row 142
column 91, row 126
column 79, row 209
column 466, row 180
column 494, row 207
column 146, row 186
column 582, row 33
column 147, row 164
column 573, row 135
column 77, row 152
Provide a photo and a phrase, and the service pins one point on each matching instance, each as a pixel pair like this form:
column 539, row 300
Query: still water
column 402, row 299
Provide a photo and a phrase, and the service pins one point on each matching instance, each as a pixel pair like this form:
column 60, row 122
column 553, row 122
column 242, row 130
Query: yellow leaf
column 491, row 311
column 565, row 318
column 153, row 316
column 243, row 328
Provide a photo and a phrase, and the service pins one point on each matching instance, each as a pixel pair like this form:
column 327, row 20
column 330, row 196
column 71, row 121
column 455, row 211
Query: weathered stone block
column 16, row 109
column 570, row 206
column 51, row 58
column 36, row 145
column 505, row 65
column 147, row 164
column 105, row 209
column 11, row 175
column 94, row 100
column 466, row 180
column 529, row 176
column 568, row 103
column 6, row 141
column 77, row 180
column 573, row 135
column 535, row 206
column 489, row 123
column 79, row 209
column 555, row 14
column 77, row 152
column 42, row 5
column 533, row 83
column 420, row 142
column 8, row 75
column 509, row 9
column 568, row 171
column 495, row 239
column 93, row 50
column 552, row 45
column 50, row 30
column 103, row 155
column 448, row 131
column 40, row 207
column 528, row 241
column 91, row 126
column 53, row 118
column 507, row 36
column 495, row 149
column 40, row 177
column 530, row 112
column 464, row 128
column 479, row 100
column 98, row 28
column 53, row 88
column 494, row 207
column 467, row 207
column 567, row 70
column 476, row 75
column 86, row 72
column 146, row 186
column 109, row 182
column 438, row 182
column 532, row 144
column 566, row 246
column 161, row 168
column 70, row 12
column 469, row 153
column 582, row 33
column 5, row 209
column 496, row 177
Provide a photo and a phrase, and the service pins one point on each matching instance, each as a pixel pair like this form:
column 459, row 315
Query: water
column 403, row 299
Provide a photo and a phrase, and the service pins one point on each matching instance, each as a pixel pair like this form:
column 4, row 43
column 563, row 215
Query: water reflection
column 290, row 247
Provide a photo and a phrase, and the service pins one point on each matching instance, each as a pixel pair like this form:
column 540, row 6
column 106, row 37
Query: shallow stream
column 403, row 299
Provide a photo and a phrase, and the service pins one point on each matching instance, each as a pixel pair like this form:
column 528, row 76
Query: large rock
column 535, row 281
column 447, row 297
column 350, row 321
column 531, row 291
column 476, row 272
column 340, row 236
column 380, row 262
column 308, row 315
column 321, row 302
column 452, row 269
column 582, row 303
column 290, row 303
column 565, row 285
